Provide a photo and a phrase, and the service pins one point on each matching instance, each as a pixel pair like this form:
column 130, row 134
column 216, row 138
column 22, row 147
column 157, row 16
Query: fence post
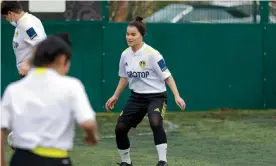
column 105, row 20
column 105, row 15
column 264, row 12
column 255, row 11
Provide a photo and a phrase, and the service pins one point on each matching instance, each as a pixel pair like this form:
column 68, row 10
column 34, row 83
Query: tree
column 128, row 10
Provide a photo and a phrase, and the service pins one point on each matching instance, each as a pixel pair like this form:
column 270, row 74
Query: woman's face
column 133, row 36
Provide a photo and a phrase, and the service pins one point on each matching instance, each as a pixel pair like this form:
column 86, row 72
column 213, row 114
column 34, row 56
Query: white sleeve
column 160, row 67
column 6, row 110
column 122, row 67
column 82, row 109
column 32, row 34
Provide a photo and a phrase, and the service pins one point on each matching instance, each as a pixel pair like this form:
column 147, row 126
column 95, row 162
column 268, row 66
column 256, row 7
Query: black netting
column 185, row 11
column 272, row 13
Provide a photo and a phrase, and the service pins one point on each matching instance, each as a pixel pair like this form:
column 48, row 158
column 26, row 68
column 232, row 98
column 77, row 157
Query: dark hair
column 49, row 49
column 139, row 24
column 64, row 36
column 10, row 6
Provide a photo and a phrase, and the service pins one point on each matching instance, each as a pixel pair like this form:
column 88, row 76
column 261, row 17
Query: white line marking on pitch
column 172, row 127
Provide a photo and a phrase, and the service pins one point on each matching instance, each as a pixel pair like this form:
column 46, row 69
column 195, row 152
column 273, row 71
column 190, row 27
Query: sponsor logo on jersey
column 162, row 65
column 31, row 33
column 142, row 64
column 156, row 110
column 133, row 74
column 15, row 45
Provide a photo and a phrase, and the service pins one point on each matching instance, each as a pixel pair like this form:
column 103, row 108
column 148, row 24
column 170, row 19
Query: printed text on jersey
column 134, row 74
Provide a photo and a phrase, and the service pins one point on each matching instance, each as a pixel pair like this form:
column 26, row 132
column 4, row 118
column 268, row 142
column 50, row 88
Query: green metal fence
column 214, row 65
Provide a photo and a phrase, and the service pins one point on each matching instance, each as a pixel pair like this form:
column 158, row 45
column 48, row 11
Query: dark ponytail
column 139, row 24
column 140, row 19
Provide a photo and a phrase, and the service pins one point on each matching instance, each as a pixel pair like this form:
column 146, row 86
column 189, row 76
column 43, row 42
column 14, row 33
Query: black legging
column 156, row 124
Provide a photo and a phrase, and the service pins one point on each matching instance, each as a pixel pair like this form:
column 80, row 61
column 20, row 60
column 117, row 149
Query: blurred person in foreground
column 65, row 37
column 41, row 110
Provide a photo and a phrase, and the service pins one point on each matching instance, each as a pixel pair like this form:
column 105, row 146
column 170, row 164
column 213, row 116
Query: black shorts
column 26, row 158
column 138, row 105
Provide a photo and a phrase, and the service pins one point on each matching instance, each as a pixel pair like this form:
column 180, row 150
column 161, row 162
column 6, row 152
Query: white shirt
column 29, row 32
column 145, row 70
column 41, row 110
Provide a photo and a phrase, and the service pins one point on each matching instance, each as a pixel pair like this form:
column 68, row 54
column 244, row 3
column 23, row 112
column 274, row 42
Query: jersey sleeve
column 122, row 67
column 32, row 34
column 82, row 109
column 6, row 110
column 160, row 66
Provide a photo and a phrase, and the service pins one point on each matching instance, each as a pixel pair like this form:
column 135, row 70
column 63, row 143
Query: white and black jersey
column 29, row 31
column 145, row 69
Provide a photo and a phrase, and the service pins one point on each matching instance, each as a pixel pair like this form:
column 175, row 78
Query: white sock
column 162, row 152
column 125, row 156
